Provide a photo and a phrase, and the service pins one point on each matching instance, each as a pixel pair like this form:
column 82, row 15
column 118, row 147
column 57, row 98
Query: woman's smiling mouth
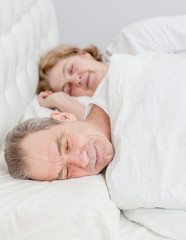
column 87, row 81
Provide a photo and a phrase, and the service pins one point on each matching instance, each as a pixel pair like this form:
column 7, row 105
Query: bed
column 74, row 209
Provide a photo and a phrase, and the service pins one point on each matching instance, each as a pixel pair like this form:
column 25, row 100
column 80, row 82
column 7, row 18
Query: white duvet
column 147, row 107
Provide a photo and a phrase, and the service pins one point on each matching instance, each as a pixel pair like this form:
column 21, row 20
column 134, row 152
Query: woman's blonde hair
column 50, row 59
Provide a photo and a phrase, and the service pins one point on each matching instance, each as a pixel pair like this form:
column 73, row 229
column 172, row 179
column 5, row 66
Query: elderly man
column 61, row 147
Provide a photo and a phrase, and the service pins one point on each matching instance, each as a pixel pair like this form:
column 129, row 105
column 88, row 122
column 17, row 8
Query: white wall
column 84, row 22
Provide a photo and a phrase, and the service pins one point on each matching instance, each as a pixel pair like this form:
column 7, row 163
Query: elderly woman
column 69, row 71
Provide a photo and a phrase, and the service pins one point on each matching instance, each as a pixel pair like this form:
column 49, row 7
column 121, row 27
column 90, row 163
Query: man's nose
column 80, row 160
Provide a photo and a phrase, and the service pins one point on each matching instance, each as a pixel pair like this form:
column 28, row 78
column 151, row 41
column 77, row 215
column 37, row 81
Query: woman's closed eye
column 71, row 70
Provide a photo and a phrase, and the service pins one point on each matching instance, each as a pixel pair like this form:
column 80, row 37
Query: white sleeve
column 100, row 97
column 167, row 34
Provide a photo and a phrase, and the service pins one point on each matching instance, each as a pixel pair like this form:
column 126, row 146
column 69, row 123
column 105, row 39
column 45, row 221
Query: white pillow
column 35, row 110
column 166, row 34
column 73, row 209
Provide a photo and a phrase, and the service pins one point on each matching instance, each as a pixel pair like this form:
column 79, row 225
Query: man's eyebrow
column 59, row 143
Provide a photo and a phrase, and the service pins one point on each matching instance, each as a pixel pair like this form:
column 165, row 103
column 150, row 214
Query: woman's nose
column 76, row 80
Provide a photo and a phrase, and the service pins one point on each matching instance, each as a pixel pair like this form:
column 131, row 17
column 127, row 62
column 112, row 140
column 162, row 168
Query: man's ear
column 63, row 116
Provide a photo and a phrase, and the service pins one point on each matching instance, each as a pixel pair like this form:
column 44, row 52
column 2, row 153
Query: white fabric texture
column 27, row 30
column 76, row 209
column 167, row 34
column 147, row 102
column 169, row 223
column 146, row 96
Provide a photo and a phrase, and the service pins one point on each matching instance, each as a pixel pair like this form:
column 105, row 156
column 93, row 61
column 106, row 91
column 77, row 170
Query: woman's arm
column 62, row 102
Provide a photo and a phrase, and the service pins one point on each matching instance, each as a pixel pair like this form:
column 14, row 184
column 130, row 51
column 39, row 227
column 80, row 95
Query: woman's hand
column 47, row 99
column 63, row 102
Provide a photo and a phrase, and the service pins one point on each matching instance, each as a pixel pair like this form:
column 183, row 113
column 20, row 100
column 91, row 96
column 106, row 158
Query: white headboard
column 27, row 30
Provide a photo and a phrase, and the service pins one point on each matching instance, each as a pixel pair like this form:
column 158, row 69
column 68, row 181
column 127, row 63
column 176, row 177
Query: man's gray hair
column 15, row 155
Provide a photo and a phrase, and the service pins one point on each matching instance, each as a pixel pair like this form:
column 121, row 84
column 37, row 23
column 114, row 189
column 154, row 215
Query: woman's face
column 77, row 75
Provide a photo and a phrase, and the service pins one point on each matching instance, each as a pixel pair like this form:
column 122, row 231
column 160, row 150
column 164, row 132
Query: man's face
column 72, row 150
